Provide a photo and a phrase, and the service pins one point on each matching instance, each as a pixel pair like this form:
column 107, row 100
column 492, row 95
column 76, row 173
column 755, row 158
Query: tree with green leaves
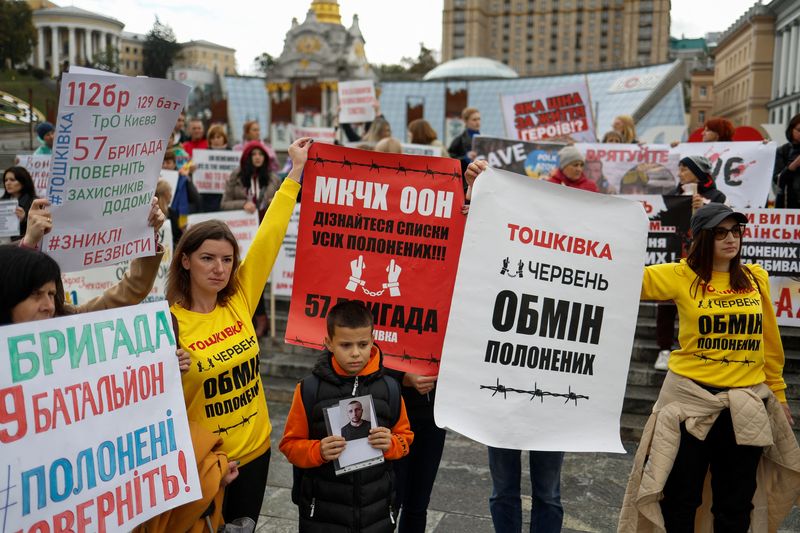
column 17, row 33
column 107, row 59
column 264, row 63
column 160, row 50
column 409, row 68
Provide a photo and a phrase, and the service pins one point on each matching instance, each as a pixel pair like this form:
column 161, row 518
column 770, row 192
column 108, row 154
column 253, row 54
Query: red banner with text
column 385, row 229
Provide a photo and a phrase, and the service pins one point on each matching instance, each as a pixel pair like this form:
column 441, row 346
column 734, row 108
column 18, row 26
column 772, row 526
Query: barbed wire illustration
column 372, row 165
column 724, row 360
column 499, row 388
column 245, row 420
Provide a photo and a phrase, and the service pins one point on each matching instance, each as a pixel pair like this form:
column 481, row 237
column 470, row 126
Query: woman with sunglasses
column 722, row 406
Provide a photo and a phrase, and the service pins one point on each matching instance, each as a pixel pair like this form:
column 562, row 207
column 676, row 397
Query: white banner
column 9, row 223
column 171, row 177
column 556, row 112
column 39, row 168
column 214, row 167
column 110, row 140
column 94, row 431
column 80, row 287
column 282, row 276
column 244, row 225
column 544, row 310
column 785, row 293
column 741, row 170
column 326, row 135
column 355, row 99
column 421, row 149
column 630, row 168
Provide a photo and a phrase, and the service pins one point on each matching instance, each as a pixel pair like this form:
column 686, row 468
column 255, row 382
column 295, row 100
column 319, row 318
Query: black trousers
column 415, row 474
column 733, row 480
column 244, row 496
column 665, row 325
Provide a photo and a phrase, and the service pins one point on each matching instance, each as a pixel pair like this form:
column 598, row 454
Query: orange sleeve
column 402, row 436
column 295, row 444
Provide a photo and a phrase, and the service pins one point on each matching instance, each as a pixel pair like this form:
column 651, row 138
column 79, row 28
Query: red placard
column 385, row 229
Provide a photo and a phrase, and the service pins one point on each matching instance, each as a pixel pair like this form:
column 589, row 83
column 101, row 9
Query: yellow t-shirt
column 727, row 338
column 222, row 388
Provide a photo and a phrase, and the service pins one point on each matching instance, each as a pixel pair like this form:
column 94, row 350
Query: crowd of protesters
column 695, row 426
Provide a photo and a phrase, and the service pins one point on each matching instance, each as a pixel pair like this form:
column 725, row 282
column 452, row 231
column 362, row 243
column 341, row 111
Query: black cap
column 710, row 215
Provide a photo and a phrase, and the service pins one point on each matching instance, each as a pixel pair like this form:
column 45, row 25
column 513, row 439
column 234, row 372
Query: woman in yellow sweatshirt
column 723, row 403
column 213, row 298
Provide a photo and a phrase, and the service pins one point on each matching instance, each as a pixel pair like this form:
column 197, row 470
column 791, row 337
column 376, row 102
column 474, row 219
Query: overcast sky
column 392, row 29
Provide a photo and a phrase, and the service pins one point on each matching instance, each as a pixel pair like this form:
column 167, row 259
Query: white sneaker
column 662, row 362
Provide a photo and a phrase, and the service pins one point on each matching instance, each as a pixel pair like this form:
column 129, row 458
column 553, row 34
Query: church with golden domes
column 317, row 54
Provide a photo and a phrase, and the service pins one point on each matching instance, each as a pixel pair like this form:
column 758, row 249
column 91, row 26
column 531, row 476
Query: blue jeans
column 505, row 505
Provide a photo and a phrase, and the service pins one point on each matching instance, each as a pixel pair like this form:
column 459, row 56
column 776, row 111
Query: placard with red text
column 110, row 138
column 93, row 423
column 544, row 311
column 562, row 112
column 772, row 239
column 385, row 229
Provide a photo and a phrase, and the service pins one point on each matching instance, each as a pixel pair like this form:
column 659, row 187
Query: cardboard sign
column 282, row 276
column 558, row 112
column 80, row 287
column 543, row 317
column 356, row 99
column 741, row 170
column 421, row 149
column 214, row 168
column 244, row 225
column 385, row 229
column 39, row 168
column 630, row 168
column 326, row 135
column 110, row 139
column 94, row 430
column 535, row 160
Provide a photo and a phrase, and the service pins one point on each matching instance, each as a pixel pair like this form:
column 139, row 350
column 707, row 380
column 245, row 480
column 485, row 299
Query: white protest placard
column 630, row 168
column 741, row 170
column 544, row 310
column 9, row 223
column 244, row 225
column 421, row 149
column 556, row 112
column 94, row 431
column 785, row 294
column 214, row 167
column 326, row 135
column 110, row 139
column 355, row 99
column 80, row 287
column 39, row 168
column 282, row 276
column 772, row 240
column 171, row 177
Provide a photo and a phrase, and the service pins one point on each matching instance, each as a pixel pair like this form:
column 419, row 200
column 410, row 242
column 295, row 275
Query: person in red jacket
column 570, row 170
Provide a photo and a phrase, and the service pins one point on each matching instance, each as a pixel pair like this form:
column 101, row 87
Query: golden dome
column 327, row 11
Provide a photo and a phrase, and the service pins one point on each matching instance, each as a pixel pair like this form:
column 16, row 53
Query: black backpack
column 309, row 388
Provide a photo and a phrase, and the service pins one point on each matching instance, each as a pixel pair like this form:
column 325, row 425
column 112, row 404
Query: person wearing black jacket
column 787, row 167
column 18, row 185
column 461, row 147
column 691, row 170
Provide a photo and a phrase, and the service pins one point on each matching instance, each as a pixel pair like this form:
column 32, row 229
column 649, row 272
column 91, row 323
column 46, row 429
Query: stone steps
column 284, row 364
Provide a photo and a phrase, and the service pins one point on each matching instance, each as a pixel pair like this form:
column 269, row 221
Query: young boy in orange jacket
column 351, row 366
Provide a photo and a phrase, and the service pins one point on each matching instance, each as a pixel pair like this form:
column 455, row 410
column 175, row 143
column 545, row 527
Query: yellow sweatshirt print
column 727, row 338
column 222, row 388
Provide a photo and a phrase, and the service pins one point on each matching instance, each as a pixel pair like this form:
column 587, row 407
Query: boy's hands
column 332, row 447
column 380, row 438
